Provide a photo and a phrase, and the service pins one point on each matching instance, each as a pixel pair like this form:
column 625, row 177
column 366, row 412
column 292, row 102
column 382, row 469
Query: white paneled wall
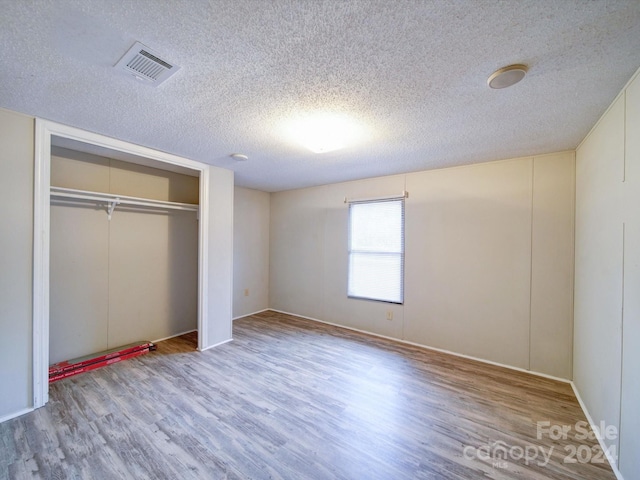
column 607, row 303
column 630, row 394
column 599, row 267
column 479, row 280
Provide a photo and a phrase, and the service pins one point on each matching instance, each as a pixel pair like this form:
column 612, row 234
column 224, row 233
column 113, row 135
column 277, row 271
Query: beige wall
column 479, row 279
column 250, row 251
column 468, row 260
column 16, row 253
column 552, row 251
column 607, row 304
column 118, row 281
column 79, row 282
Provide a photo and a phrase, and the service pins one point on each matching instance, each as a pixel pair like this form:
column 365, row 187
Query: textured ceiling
column 413, row 72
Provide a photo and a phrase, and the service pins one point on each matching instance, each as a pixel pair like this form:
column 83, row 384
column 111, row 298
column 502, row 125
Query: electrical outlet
column 389, row 315
column 246, row 292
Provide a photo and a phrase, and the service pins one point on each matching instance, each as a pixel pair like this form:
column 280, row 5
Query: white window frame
column 401, row 199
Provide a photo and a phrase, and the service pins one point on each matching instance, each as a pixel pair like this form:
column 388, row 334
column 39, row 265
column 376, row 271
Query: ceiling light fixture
column 507, row 76
column 239, row 157
column 323, row 132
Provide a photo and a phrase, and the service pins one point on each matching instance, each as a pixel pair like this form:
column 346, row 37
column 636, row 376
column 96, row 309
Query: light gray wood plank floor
column 295, row 399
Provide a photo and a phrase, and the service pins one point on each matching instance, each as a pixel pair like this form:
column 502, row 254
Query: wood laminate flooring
column 295, row 399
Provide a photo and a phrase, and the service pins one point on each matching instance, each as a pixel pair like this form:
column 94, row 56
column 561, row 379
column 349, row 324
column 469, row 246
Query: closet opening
column 122, row 231
column 123, row 248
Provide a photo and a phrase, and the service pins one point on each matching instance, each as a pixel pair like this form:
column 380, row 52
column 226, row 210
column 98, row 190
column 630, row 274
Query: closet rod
column 110, row 198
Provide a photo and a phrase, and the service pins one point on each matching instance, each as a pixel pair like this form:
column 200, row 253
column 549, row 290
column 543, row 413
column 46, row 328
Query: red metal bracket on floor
column 68, row 368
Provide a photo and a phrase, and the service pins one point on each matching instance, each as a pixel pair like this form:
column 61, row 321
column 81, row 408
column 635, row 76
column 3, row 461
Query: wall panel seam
column 624, row 137
column 531, row 257
column 621, row 346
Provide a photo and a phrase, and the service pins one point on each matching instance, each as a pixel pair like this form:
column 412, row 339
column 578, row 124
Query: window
column 376, row 250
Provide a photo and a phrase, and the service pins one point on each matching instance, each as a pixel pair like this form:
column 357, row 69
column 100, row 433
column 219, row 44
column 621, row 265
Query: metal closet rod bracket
column 112, row 206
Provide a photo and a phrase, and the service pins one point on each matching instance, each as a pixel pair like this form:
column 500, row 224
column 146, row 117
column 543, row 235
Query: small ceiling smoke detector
column 507, row 76
column 145, row 64
column 239, row 157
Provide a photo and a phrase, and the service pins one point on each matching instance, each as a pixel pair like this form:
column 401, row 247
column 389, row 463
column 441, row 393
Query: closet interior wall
column 133, row 277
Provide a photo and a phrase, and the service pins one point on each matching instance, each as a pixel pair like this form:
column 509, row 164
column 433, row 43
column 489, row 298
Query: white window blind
column 376, row 250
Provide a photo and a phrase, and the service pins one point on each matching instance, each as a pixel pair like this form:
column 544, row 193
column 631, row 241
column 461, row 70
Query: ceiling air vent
column 145, row 64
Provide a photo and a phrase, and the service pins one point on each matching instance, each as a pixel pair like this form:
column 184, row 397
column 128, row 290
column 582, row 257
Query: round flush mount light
column 507, row 76
column 239, row 157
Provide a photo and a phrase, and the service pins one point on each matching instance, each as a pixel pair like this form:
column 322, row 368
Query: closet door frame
column 44, row 132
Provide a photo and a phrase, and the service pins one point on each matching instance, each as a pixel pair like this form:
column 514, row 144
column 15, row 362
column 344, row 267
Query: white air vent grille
column 145, row 64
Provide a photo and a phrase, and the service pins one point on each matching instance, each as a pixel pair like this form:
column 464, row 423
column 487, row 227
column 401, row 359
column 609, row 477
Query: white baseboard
column 440, row 350
column 612, row 461
column 16, row 414
column 249, row 314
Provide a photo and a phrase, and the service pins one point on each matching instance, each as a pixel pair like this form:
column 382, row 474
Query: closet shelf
column 111, row 200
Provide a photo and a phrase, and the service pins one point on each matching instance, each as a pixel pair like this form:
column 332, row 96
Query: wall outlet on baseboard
column 246, row 292
column 389, row 315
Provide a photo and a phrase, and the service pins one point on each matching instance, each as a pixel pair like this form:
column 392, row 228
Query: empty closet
column 123, row 253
